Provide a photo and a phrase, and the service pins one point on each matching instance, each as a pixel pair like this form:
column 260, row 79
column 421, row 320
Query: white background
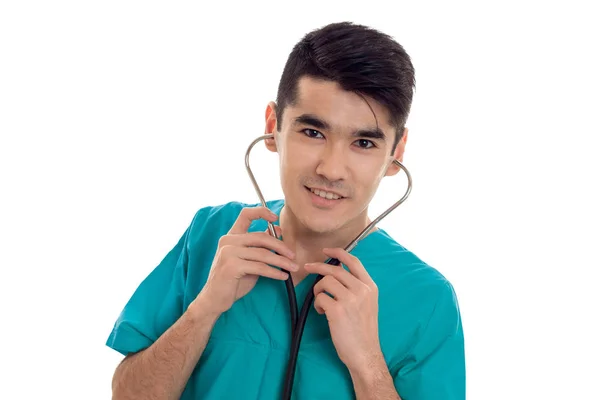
column 118, row 120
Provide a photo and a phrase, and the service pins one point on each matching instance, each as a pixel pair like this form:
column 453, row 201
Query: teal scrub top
column 420, row 325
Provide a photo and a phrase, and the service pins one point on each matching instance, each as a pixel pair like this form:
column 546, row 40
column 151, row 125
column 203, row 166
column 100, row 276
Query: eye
column 365, row 144
column 312, row 133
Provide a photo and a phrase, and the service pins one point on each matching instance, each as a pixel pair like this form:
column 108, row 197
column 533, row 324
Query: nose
column 333, row 163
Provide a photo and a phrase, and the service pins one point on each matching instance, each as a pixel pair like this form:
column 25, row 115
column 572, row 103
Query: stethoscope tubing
column 298, row 322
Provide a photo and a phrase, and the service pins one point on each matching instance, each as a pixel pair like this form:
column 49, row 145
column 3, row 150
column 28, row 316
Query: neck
column 308, row 244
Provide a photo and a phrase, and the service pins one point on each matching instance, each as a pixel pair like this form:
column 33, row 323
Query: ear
column 271, row 126
column 398, row 154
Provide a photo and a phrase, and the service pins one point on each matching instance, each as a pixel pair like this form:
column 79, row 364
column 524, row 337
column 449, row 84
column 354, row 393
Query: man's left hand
column 352, row 311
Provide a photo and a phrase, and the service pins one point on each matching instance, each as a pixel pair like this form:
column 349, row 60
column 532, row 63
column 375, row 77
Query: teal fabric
column 420, row 325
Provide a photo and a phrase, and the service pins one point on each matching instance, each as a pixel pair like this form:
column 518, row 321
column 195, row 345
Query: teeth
column 324, row 194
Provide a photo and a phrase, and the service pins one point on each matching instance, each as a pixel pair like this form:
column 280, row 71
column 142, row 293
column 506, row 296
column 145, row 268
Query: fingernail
column 295, row 266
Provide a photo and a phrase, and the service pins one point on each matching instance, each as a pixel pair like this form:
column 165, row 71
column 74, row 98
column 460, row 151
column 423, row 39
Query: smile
column 326, row 195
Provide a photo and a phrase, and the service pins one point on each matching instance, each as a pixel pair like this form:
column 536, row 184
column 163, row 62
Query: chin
column 319, row 215
column 320, row 225
column 320, row 220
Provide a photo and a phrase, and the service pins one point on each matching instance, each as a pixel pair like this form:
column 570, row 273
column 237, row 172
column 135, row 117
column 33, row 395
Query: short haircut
column 361, row 60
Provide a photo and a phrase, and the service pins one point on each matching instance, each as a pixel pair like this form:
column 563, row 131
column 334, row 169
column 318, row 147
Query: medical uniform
column 246, row 356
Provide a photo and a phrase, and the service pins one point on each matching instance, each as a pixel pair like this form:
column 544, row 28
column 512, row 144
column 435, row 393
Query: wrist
column 201, row 309
column 370, row 370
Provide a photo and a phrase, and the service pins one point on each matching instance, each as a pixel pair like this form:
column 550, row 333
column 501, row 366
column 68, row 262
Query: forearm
column 374, row 382
column 162, row 370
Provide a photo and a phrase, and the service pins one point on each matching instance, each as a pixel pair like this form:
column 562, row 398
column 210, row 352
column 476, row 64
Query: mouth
column 325, row 194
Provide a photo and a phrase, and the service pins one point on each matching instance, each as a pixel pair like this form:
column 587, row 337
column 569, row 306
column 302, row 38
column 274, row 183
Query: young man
column 212, row 320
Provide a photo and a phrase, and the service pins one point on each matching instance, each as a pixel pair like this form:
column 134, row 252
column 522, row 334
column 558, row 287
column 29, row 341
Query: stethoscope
column 298, row 322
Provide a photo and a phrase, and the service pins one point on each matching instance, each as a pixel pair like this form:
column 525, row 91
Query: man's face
column 334, row 149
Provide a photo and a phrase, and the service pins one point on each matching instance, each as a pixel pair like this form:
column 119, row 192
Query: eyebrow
column 316, row 122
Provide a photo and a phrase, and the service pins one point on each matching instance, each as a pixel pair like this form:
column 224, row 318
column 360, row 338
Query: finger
column 249, row 214
column 323, row 303
column 267, row 257
column 336, row 271
column 332, row 286
column 261, row 239
column 353, row 263
column 261, row 269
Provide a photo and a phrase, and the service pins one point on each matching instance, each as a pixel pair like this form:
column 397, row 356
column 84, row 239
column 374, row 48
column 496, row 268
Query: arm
column 435, row 367
column 374, row 382
column 162, row 370
column 352, row 314
column 162, row 344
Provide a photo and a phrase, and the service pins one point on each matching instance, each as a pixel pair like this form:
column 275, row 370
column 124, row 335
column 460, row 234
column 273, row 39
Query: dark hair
column 360, row 59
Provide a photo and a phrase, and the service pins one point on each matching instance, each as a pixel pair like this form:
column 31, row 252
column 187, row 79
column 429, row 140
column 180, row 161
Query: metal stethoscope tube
column 298, row 322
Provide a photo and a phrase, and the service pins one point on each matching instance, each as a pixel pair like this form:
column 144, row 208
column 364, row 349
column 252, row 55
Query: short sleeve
column 155, row 305
column 436, row 365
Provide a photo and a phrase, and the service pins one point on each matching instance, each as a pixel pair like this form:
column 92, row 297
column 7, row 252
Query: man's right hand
column 241, row 258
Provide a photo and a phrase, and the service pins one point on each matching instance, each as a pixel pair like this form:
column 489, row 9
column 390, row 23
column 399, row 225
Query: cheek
column 368, row 177
column 290, row 168
column 296, row 160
